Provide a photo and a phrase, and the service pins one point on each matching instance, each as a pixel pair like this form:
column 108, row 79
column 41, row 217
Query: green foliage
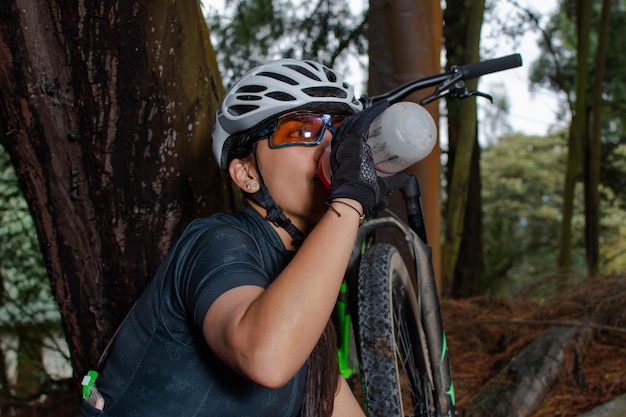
column 522, row 178
column 25, row 296
column 612, row 173
column 557, row 64
column 559, row 68
column 522, row 199
column 556, row 67
column 251, row 32
column 613, row 208
column 29, row 318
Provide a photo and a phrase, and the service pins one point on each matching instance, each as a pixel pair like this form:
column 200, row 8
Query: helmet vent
column 249, row 97
column 303, row 71
column 240, row 109
column 278, row 77
column 332, row 77
column 281, row 96
column 325, row 92
column 251, row 89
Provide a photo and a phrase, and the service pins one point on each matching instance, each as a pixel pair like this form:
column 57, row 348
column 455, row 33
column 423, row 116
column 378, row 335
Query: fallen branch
column 519, row 388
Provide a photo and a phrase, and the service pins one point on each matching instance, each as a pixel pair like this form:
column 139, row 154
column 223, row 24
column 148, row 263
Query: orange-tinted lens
column 298, row 129
column 337, row 120
column 303, row 129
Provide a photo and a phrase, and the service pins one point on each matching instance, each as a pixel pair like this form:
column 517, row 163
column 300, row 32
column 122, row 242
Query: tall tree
column 106, row 109
column 578, row 134
column 559, row 68
column 404, row 44
column 462, row 248
column 593, row 148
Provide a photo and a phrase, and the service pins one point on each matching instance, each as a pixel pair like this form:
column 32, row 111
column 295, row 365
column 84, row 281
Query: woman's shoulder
column 237, row 237
column 244, row 224
column 221, row 226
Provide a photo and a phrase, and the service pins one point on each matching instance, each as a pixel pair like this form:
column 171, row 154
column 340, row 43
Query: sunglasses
column 300, row 129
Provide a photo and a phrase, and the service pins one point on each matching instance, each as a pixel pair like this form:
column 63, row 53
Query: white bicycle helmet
column 272, row 89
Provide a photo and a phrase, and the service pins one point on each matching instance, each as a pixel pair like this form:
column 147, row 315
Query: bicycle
column 396, row 341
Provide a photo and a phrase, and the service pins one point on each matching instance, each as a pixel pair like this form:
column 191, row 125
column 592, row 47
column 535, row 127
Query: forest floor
column 484, row 333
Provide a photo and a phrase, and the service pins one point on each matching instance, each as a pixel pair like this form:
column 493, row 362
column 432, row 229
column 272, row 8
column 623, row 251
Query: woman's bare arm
column 268, row 334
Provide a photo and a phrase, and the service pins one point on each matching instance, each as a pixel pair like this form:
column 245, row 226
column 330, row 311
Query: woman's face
column 291, row 176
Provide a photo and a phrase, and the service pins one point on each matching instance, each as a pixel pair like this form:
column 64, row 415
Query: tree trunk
column 594, row 148
column 462, row 33
column 468, row 274
column 405, row 44
column 577, row 134
column 519, row 389
column 107, row 109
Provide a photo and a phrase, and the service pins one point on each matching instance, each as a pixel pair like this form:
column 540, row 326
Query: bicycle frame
column 344, row 321
column 447, row 84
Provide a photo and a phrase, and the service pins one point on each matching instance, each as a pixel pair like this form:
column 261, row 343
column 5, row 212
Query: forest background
column 92, row 195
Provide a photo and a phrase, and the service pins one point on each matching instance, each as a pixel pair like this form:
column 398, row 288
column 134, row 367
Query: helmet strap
column 275, row 213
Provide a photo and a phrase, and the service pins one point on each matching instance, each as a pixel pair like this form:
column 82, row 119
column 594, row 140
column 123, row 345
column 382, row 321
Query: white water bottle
column 403, row 134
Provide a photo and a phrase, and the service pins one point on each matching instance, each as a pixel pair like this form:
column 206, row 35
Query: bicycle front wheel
column 392, row 347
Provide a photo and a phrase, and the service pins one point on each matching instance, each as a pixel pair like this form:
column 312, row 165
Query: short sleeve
column 220, row 259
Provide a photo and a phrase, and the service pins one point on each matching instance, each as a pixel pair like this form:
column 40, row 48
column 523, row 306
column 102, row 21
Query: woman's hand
column 352, row 164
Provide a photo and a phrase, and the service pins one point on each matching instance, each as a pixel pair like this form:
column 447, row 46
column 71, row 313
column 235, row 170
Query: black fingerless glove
column 352, row 165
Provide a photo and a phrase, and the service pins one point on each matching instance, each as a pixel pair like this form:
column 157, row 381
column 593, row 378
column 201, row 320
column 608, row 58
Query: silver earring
column 251, row 187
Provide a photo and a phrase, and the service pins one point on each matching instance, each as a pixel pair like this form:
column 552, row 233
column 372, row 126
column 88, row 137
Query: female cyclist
column 236, row 321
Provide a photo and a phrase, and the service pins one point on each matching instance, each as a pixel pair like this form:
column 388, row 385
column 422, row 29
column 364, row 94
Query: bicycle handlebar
column 446, row 82
column 490, row 66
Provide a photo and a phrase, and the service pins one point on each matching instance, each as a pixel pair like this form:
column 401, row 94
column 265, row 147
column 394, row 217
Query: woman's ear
column 244, row 175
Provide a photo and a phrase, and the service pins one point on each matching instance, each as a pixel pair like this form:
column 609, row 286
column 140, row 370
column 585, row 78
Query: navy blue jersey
column 160, row 364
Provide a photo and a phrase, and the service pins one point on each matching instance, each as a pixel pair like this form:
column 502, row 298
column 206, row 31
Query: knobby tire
column 391, row 341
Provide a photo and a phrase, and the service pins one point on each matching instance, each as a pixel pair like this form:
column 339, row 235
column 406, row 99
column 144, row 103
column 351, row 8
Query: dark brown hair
column 323, row 376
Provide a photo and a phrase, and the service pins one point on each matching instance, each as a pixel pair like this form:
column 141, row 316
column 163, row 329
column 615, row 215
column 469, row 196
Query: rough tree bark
column 106, row 110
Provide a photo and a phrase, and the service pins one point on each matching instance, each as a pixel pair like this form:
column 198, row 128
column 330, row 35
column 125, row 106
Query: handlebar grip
column 489, row 66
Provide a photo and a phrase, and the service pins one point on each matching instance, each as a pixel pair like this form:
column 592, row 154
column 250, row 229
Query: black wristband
column 361, row 216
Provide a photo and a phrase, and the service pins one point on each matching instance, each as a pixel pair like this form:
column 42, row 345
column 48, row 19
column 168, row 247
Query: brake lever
column 447, row 87
column 476, row 93
column 457, row 91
